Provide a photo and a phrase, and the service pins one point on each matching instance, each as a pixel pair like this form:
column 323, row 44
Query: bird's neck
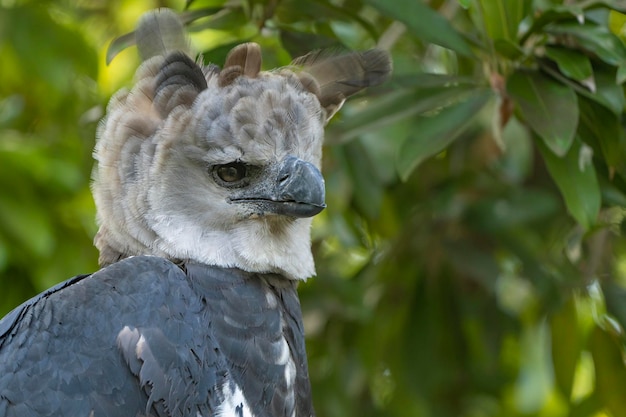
column 261, row 245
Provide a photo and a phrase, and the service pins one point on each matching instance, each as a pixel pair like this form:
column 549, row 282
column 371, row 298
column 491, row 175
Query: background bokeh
column 471, row 261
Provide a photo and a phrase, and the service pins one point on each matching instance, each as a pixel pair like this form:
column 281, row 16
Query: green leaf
column 300, row 43
column 609, row 369
column 549, row 108
column 501, row 18
column 621, row 74
column 571, row 63
column 615, row 298
column 555, row 13
column 52, row 52
column 566, row 345
column 515, row 209
column 368, row 191
column 29, row 226
column 225, row 19
column 435, row 133
column 617, row 24
column 394, row 107
column 198, row 4
column 612, row 196
column 601, row 129
column 595, row 39
column 575, row 176
column 508, row 49
column 429, row 80
column 611, row 4
column 606, row 91
column 424, row 22
column 588, row 406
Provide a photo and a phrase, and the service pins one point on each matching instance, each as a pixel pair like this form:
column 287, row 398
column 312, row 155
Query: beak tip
column 305, row 186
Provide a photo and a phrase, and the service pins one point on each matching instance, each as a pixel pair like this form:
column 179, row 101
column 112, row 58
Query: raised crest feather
column 340, row 75
column 160, row 32
column 244, row 59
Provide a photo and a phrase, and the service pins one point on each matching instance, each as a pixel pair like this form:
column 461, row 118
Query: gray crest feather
column 159, row 32
column 340, row 75
column 178, row 82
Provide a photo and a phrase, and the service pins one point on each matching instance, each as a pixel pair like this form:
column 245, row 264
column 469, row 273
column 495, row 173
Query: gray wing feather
column 62, row 357
column 142, row 337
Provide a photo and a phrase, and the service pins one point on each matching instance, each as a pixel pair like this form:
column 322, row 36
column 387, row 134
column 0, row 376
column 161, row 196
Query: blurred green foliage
column 471, row 261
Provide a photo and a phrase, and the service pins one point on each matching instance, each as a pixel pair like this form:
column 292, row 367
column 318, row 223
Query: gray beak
column 300, row 187
column 296, row 190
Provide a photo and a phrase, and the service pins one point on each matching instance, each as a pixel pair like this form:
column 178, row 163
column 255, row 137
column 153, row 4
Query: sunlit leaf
column 540, row 100
column 589, row 406
column 433, row 134
column 424, row 22
column 575, row 176
column 610, row 370
column 566, row 345
column 617, row 24
column 197, row 4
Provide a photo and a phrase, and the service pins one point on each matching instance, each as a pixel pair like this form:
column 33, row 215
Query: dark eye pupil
column 231, row 172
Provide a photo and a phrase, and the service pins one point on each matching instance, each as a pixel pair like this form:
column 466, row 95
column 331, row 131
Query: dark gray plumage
column 147, row 337
column 214, row 175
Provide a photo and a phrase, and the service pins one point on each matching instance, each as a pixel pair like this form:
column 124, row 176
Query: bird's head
column 220, row 166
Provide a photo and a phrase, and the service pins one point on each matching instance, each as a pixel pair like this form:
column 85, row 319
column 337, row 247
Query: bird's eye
column 231, row 173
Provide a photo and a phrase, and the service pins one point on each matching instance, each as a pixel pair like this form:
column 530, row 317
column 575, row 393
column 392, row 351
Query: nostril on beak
column 283, row 177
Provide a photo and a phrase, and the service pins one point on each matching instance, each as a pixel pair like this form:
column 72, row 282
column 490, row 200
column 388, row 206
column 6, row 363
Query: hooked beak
column 297, row 190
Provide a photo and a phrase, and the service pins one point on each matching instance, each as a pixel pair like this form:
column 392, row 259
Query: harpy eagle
column 205, row 185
